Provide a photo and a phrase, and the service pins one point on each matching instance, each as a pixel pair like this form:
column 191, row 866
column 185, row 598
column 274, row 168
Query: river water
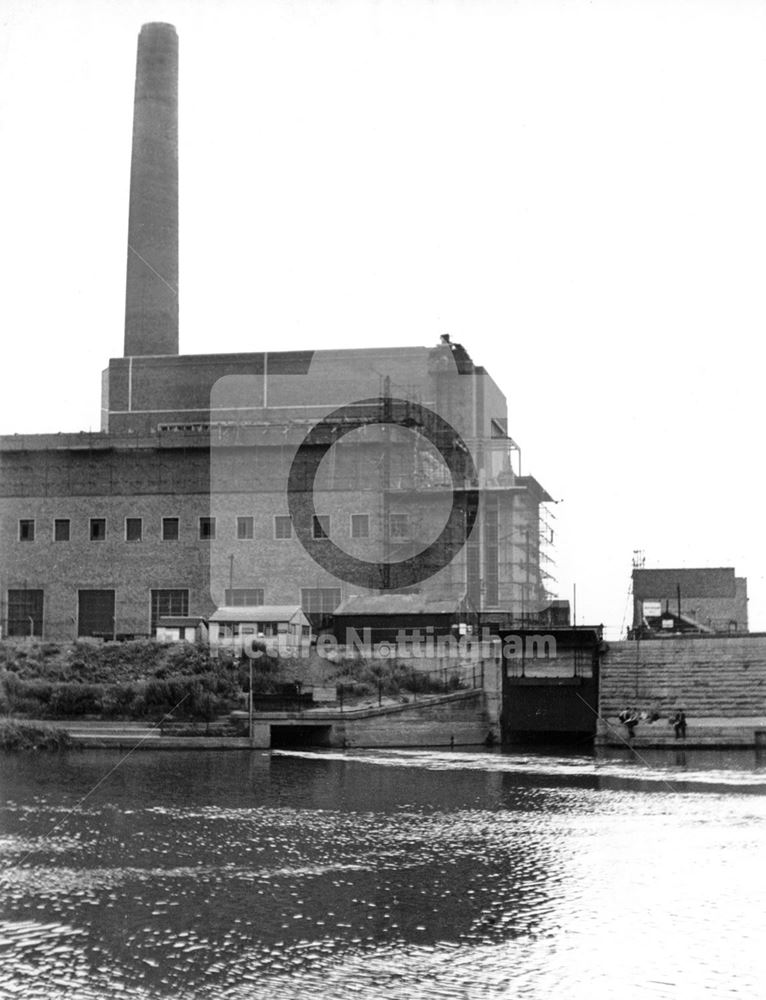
column 395, row 874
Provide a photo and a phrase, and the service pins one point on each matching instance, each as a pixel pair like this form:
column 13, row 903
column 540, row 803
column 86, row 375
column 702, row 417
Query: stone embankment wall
column 722, row 680
column 706, row 677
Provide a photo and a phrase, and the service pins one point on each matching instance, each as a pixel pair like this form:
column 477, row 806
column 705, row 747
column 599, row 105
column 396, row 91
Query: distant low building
column 708, row 601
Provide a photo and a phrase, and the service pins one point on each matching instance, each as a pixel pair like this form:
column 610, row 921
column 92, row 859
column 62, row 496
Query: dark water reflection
column 408, row 874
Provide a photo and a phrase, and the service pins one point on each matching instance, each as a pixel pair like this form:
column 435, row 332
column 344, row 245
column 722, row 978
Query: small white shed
column 283, row 627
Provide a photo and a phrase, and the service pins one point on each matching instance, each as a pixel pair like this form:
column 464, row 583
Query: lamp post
column 250, row 707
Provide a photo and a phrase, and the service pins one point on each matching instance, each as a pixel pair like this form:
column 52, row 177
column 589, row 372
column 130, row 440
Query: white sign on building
column 652, row 609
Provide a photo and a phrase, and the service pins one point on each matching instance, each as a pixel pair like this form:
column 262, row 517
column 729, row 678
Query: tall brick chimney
column 151, row 300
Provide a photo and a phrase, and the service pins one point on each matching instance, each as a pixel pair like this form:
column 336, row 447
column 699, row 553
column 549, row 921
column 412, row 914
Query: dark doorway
column 96, row 613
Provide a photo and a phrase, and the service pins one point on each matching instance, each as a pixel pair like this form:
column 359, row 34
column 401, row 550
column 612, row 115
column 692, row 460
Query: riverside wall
column 463, row 718
column 720, row 683
column 462, row 722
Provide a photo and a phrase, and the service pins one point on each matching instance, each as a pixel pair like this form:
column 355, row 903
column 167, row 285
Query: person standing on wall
column 679, row 724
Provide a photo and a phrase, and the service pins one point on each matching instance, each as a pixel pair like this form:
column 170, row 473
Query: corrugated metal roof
column 395, row 604
column 257, row 613
column 662, row 583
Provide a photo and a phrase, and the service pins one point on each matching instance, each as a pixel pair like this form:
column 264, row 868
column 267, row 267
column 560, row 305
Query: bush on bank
column 136, row 680
column 202, row 697
column 393, row 677
column 20, row 736
column 93, row 661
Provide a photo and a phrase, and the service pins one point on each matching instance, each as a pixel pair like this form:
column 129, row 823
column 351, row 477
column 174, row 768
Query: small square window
column 207, row 528
column 170, row 529
column 320, row 527
column 27, row 530
column 360, row 525
column 244, row 527
column 399, row 525
column 283, row 526
column 61, row 528
column 97, row 529
column 134, row 528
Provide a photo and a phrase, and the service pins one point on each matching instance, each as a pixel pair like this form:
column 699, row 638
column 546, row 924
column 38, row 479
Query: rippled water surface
column 389, row 874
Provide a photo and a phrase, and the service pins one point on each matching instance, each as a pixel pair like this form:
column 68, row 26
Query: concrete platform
column 713, row 731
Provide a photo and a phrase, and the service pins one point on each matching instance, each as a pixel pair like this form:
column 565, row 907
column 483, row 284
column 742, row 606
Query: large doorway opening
column 96, row 613
column 300, row 736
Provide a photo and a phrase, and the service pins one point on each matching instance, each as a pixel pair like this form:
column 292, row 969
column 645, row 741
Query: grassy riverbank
column 146, row 680
column 131, row 680
column 15, row 735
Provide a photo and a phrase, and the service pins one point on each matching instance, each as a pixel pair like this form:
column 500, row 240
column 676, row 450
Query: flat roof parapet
column 101, row 441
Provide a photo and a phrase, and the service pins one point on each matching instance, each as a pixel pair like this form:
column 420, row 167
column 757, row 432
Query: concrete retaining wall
column 466, row 721
column 460, row 719
column 719, row 683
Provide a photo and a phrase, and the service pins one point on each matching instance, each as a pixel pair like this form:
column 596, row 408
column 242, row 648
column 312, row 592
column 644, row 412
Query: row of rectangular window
column 171, row 526
column 134, row 528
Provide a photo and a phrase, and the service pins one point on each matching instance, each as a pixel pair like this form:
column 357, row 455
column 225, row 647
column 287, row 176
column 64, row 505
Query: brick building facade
column 100, row 533
column 180, row 504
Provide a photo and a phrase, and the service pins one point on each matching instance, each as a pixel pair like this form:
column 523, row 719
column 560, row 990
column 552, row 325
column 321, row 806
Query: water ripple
column 396, row 874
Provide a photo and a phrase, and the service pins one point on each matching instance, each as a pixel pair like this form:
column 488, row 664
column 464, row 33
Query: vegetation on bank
column 15, row 735
column 117, row 680
column 147, row 680
column 391, row 678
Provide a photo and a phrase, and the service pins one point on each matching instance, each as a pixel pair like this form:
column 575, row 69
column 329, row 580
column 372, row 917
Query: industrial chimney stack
column 151, row 301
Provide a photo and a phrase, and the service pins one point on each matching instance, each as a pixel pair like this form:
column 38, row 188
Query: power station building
column 280, row 478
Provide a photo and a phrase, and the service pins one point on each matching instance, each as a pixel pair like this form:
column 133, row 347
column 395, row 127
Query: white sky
column 575, row 191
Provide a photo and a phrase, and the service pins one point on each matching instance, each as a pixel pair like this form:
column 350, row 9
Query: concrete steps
column 720, row 683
